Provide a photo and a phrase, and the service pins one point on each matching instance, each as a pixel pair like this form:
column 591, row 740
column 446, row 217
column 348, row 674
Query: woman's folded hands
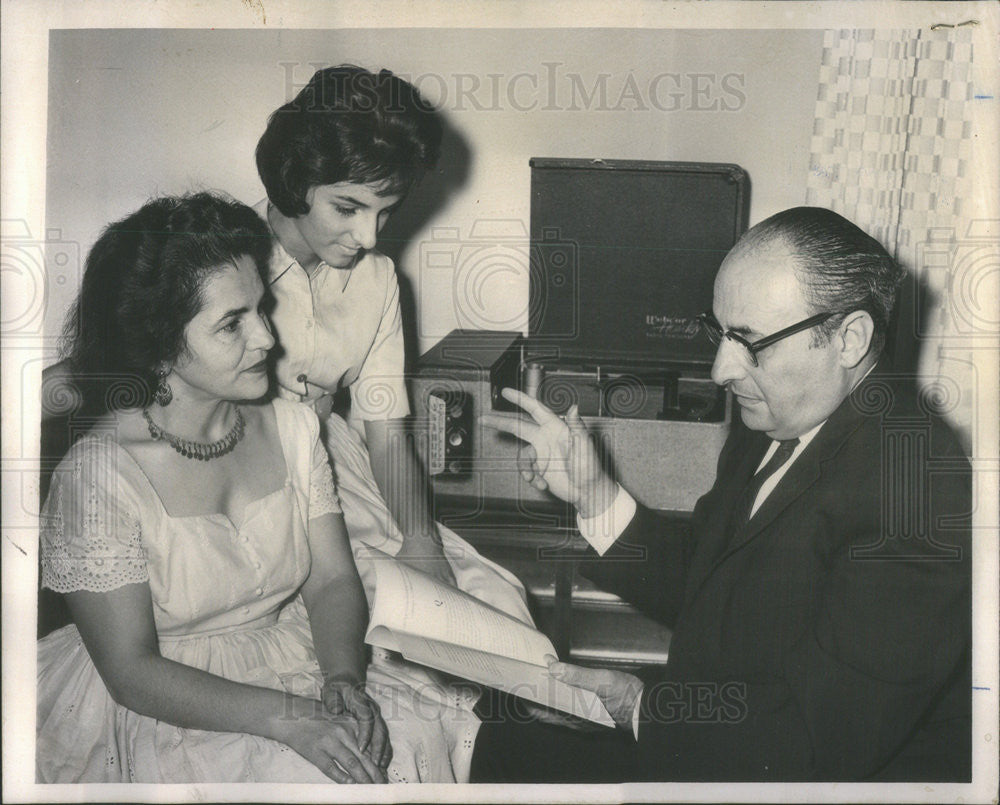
column 341, row 695
column 330, row 742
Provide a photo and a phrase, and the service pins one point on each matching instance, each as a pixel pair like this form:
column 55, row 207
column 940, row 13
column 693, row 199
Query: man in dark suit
column 820, row 608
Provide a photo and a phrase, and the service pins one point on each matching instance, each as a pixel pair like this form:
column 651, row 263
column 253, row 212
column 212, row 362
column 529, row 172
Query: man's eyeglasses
column 715, row 332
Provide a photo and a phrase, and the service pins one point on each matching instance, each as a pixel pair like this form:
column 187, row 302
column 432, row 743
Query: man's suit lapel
column 803, row 473
column 731, row 481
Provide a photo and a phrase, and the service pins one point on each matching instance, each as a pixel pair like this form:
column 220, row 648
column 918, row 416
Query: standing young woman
column 336, row 161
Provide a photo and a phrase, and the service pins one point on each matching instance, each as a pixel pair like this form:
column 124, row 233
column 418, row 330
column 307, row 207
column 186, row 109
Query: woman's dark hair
column 840, row 267
column 142, row 285
column 347, row 125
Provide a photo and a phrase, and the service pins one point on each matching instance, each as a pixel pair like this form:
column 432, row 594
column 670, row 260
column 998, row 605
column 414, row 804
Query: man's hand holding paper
column 619, row 691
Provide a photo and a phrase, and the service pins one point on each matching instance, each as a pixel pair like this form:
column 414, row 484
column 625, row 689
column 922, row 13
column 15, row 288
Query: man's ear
column 854, row 338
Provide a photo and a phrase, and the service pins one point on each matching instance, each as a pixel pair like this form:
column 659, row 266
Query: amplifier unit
column 660, row 432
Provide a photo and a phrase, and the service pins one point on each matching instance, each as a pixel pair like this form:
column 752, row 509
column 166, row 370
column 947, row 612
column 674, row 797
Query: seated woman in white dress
column 336, row 161
column 196, row 533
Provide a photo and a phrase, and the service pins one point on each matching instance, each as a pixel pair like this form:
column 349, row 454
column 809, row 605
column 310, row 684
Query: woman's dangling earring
column 163, row 394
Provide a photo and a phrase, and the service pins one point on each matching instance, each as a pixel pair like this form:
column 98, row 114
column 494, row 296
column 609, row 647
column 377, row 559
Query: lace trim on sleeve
column 87, row 541
column 322, row 489
column 322, row 493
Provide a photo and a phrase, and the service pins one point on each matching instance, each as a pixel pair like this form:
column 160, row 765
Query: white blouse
column 340, row 327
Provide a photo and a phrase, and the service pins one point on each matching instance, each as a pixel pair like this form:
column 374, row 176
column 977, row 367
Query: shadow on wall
column 427, row 198
column 909, row 338
column 905, row 345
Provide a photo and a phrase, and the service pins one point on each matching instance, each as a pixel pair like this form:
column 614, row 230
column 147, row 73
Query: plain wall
column 136, row 113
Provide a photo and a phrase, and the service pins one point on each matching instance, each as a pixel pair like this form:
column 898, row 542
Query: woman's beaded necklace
column 198, row 450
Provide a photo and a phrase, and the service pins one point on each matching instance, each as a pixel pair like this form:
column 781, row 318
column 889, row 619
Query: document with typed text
column 445, row 628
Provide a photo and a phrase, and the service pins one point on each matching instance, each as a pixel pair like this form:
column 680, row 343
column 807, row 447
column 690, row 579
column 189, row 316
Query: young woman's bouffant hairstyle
column 142, row 285
column 347, row 125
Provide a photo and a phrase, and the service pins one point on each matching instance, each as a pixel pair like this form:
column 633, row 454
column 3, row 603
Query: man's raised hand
column 559, row 455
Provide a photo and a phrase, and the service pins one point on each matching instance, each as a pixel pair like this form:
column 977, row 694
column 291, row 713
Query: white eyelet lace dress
column 225, row 601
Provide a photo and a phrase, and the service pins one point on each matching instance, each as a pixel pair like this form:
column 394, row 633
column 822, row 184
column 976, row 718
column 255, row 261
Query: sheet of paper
column 521, row 679
column 407, row 600
column 444, row 628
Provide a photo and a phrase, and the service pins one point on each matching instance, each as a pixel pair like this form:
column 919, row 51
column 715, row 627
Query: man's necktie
column 741, row 513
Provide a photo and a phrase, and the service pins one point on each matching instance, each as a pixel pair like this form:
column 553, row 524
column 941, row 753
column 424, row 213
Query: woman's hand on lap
column 342, row 696
column 330, row 743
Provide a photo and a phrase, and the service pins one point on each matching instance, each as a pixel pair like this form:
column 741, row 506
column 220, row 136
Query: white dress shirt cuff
column 635, row 715
column 602, row 531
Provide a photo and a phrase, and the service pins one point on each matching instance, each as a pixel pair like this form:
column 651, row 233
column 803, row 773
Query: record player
column 622, row 259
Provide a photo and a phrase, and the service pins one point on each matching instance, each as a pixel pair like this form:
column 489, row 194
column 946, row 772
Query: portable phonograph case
column 622, row 259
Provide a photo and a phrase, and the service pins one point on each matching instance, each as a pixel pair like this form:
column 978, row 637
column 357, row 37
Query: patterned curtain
column 892, row 150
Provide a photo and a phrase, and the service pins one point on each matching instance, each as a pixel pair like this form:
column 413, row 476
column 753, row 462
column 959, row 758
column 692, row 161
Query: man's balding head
column 839, row 266
column 784, row 272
